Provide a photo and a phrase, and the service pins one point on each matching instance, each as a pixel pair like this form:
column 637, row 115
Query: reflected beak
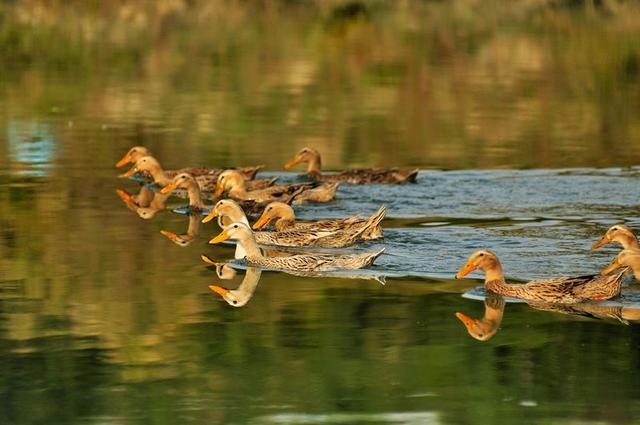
column 221, row 237
column 219, row 190
column 611, row 267
column 124, row 161
column 207, row 260
column 262, row 221
column 169, row 188
column 125, row 196
column 213, row 214
column 169, row 234
column 468, row 268
column 467, row 321
column 129, row 173
column 292, row 163
column 605, row 240
column 219, row 290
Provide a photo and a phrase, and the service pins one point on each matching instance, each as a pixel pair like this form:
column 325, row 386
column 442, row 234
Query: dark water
column 104, row 320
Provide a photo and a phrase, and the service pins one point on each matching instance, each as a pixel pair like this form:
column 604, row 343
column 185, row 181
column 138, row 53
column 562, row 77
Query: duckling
column 621, row 234
column 626, row 258
column 232, row 182
column 285, row 219
column 555, row 290
column 148, row 165
column 185, row 239
column 485, row 328
column 240, row 296
column 354, row 176
column 309, row 262
column 228, row 211
column 137, row 152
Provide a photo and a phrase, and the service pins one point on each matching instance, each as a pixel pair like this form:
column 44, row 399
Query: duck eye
column 235, row 301
column 482, row 254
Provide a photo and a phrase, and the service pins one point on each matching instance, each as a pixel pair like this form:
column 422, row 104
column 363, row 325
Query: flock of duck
column 240, row 196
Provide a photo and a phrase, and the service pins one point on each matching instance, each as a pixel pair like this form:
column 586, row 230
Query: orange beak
column 169, row 234
column 213, row 214
column 219, row 190
column 467, row 321
column 611, row 267
column 292, row 163
column 602, row 242
column 125, row 160
column 169, row 188
column 125, row 196
column 468, row 268
column 262, row 221
column 219, row 290
column 129, row 173
column 221, row 237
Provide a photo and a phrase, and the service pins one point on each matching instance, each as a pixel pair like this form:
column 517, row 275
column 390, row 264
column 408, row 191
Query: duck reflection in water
column 240, row 296
column 494, row 305
column 485, row 328
column 187, row 238
column 146, row 203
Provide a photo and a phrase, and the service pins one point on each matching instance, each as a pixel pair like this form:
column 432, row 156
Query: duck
column 626, row 258
column 621, row 234
column 137, row 152
column 148, row 165
column 228, row 211
column 231, row 181
column 562, row 290
column 301, row 262
column 354, row 176
column 325, row 192
column 187, row 238
column 240, row 296
column 285, row 219
column 485, row 328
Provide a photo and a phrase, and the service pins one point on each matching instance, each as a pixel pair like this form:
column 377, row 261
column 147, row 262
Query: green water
column 103, row 320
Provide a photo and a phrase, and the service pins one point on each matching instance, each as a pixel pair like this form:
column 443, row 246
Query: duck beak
column 125, row 196
column 169, row 234
column 262, row 221
column 169, row 188
column 221, row 237
column 611, row 267
column 125, row 160
column 467, row 321
column 219, row 190
column 129, row 173
column 213, row 214
column 219, row 290
column 296, row 160
column 605, row 240
column 468, row 268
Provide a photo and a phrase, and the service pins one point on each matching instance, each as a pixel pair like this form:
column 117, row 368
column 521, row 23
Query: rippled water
column 105, row 320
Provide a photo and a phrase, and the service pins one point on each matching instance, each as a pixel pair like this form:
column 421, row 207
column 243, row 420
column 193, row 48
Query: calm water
column 524, row 119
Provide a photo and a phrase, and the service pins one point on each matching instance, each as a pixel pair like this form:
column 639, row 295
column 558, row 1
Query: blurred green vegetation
column 446, row 84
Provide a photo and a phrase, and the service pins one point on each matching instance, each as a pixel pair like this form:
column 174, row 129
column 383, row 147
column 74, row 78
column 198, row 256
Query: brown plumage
column 555, row 290
column 353, row 176
column 284, row 217
column 150, row 169
column 232, row 182
column 304, row 262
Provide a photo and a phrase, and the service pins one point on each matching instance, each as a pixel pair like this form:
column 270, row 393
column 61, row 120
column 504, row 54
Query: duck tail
column 408, row 177
column 372, row 225
column 372, row 257
column 251, row 172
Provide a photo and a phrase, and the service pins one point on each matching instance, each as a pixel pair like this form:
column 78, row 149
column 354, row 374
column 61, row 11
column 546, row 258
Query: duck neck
column 284, row 224
column 314, row 166
column 195, row 199
column 629, row 242
column 250, row 246
column 159, row 175
column 238, row 190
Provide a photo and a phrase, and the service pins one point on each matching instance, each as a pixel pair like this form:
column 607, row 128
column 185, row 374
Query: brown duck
column 555, row 290
column 137, row 152
column 353, row 176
